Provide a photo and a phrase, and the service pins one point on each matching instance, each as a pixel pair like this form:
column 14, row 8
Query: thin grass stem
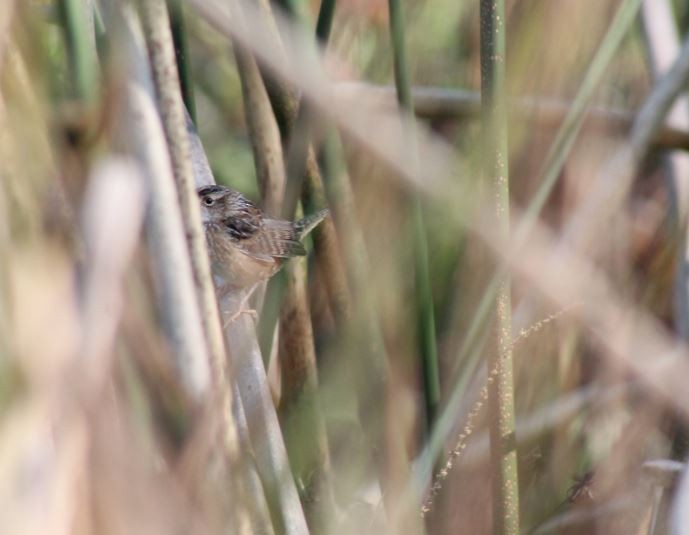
column 166, row 81
column 424, row 296
column 178, row 27
column 496, row 169
column 81, row 49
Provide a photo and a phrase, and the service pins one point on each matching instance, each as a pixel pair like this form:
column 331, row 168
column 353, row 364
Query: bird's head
column 223, row 205
column 213, row 200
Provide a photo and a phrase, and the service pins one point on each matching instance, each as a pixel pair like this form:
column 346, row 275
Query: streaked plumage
column 245, row 245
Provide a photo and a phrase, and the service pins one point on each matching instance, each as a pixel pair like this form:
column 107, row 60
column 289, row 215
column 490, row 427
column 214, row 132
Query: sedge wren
column 245, row 245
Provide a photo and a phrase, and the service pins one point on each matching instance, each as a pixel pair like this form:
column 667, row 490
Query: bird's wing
column 265, row 238
column 278, row 239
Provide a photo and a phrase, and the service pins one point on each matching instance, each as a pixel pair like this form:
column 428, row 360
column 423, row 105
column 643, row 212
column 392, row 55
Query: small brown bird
column 245, row 245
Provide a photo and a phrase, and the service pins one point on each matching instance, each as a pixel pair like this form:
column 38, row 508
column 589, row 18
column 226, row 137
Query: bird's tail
column 310, row 222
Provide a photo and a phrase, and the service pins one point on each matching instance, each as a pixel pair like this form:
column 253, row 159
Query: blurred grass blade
column 424, row 296
column 300, row 410
column 166, row 82
column 567, row 134
column 679, row 520
column 112, row 217
column 564, row 140
column 614, row 180
column 370, row 363
column 663, row 44
column 433, row 103
column 6, row 16
column 358, row 320
column 142, row 133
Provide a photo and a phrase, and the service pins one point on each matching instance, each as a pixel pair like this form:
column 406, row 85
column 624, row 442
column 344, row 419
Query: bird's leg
column 242, row 308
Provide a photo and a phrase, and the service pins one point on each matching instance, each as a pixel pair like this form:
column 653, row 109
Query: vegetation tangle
column 465, row 307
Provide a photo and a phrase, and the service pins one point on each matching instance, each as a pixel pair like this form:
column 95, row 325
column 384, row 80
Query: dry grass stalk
column 252, row 398
column 175, row 123
column 253, row 409
column 142, row 134
column 166, row 81
column 49, row 428
column 263, row 426
column 300, row 409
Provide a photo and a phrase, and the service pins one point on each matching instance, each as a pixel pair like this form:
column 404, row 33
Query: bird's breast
column 238, row 269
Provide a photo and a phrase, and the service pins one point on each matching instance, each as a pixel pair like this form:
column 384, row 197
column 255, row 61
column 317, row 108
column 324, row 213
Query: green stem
column 325, row 20
column 500, row 365
column 427, row 336
column 80, row 48
column 370, row 364
column 179, row 38
column 400, row 56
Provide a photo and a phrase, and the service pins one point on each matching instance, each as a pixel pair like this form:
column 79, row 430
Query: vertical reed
column 496, row 170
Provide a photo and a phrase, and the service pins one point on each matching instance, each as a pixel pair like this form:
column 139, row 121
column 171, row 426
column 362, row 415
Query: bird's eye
column 208, row 201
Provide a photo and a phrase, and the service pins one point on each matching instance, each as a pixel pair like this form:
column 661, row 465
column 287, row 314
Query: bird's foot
column 243, row 310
